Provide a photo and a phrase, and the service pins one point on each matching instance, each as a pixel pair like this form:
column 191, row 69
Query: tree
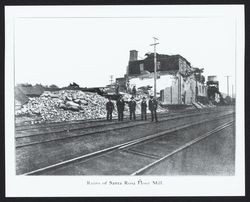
column 25, row 85
column 53, row 86
column 73, row 85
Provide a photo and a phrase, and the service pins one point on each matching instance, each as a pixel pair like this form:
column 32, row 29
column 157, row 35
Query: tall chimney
column 133, row 55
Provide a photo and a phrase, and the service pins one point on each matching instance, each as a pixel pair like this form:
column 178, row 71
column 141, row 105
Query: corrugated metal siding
column 171, row 93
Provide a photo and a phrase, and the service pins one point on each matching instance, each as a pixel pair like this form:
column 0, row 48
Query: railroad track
column 142, row 170
column 130, row 145
column 63, row 125
column 20, row 127
column 40, row 138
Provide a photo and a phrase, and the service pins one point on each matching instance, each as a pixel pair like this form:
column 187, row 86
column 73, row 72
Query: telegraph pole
column 227, row 85
column 155, row 64
column 232, row 91
column 111, row 79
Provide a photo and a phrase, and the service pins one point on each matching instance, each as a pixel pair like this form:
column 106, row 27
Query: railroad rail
column 139, row 141
column 95, row 121
column 40, row 138
column 65, row 126
column 185, row 146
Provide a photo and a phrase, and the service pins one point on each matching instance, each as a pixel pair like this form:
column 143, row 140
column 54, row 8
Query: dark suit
column 152, row 104
column 120, row 108
column 144, row 110
column 132, row 106
column 109, row 108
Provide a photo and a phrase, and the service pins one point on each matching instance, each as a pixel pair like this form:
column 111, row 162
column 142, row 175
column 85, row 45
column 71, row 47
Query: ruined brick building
column 177, row 81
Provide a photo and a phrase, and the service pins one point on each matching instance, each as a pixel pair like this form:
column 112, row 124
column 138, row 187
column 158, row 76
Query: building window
column 141, row 67
column 158, row 65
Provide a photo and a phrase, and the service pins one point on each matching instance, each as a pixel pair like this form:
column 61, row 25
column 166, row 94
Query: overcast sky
column 88, row 50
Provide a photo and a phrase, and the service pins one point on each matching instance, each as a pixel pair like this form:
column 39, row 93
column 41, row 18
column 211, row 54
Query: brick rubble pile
column 65, row 105
column 69, row 105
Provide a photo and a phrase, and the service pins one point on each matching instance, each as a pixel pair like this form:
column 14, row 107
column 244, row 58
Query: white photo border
column 76, row 186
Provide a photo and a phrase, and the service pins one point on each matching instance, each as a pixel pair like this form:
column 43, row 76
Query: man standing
column 144, row 109
column 109, row 108
column 117, row 89
column 153, row 107
column 120, row 108
column 132, row 106
column 134, row 91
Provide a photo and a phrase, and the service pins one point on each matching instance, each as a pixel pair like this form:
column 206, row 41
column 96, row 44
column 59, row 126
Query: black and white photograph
column 126, row 100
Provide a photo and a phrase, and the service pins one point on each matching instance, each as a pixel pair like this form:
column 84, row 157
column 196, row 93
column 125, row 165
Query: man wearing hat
column 120, row 108
column 132, row 106
column 109, row 108
column 144, row 109
column 152, row 104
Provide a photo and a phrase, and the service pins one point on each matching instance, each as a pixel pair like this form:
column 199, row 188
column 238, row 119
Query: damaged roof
column 166, row 63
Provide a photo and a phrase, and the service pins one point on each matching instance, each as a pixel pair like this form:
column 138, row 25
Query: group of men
column 120, row 103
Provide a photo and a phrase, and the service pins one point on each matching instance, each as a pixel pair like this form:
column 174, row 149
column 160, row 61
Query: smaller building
column 213, row 93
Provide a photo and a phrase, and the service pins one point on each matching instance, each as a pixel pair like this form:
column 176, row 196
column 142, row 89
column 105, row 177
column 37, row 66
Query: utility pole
column 232, row 91
column 227, row 85
column 111, row 79
column 155, row 64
